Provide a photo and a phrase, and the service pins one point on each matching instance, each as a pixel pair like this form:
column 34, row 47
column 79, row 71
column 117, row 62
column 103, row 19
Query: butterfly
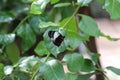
column 56, row 37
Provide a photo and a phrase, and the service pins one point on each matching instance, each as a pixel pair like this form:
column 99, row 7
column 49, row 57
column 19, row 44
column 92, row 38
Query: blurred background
column 109, row 50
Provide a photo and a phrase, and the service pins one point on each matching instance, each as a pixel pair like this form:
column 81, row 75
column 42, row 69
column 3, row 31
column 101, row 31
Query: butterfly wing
column 58, row 40
column 51, row 34
column 56, row 37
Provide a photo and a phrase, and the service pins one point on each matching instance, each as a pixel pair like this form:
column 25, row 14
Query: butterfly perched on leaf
column 56, row 37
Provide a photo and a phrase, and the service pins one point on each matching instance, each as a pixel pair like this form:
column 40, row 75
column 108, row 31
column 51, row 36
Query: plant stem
column 20, row 23
column 99, row 68
column 34, row 74
column 102, row 71
column 47, row 57
column 2, row 48
column 72, row 16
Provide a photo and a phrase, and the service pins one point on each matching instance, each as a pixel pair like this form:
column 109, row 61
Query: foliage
column 112, row 7
column 49, row 28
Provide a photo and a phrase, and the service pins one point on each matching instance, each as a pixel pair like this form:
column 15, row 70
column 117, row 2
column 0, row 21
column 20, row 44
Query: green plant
column 23, row 22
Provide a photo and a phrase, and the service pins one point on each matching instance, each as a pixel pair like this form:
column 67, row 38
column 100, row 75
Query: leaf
column 1, row 70
column 35, row 20
column 6, row 17
column 21, row 75
column 17, row 10
column 1, row 67
column 13, row 52
column 62, row 4
column 101, row 1
column 54, row 15
column 88, row 66
column 37, row 7
column 74, row 39
column 54, row 1
column 28, row 64
column 43, row 59
column 74, row 61
column 47, row 24
column 89, row 26
column 27, row 35
column 52, row 48
column 27, row 1
column 114, row 70
column 78, row 76
column 84, row 76
column 84, row 2
column 112, row 6
column 53, row 70
column 85, row 37
column 6, row 39
column 8, row 70
column 38, row 76
column 70, row 76
column 94, row 57
column 72, row 26
column 41, row 49
column 65, row 11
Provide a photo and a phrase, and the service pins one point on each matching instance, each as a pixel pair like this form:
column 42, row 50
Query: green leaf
column 6, row 17
column 1, row 67
column 113, row 69
column 41, row 49
column 85, row 37
column 38, row 76
column 74, row 61
column 27, row 35
column 13, row 52
column 84, row 76
column 28, row 64
column 70, row 76
column 53, row 70
column 52, row 48
column 66, row 11
column 37, row 7
column 72, row 26
column 1, row 70
column 101, row 1
column 62, row 5
column 89, row 26
column 54, row 1
column 54, row 15
column 84, row 2
column 6, row 38
column 27, row 1
column 94, row 57
column 43, row 59
column 74, row 39
column 112, row 6
column 18, row 9
column 88, row 66
column 18, row 75
column 47, row 24
column 35, row 20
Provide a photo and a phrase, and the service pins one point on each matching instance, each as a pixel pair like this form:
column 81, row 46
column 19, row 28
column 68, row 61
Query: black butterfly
column 56, row 37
